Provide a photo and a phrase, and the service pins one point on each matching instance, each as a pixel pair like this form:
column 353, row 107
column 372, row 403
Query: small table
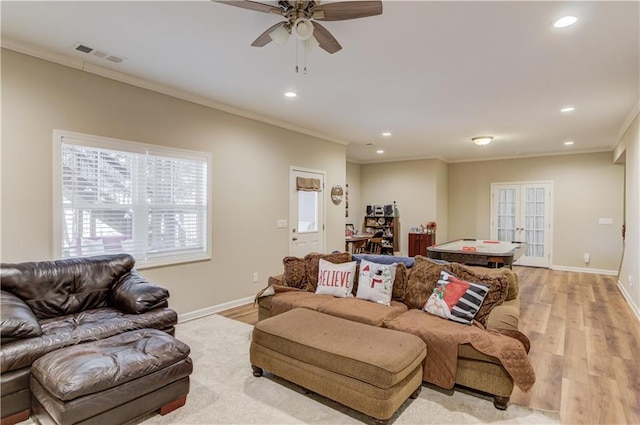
column 479, row 252
column 354, row 242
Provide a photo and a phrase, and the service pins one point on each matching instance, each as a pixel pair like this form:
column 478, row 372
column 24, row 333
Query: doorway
column 522, row 212
column 306, row 211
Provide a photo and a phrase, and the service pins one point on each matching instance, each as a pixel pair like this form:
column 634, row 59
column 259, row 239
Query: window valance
column 308, row 184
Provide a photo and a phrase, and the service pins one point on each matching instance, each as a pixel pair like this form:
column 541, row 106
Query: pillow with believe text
column 336, row 279
column 375, row 282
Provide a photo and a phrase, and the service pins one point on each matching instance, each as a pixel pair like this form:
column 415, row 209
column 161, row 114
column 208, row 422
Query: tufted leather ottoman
column 112, row 380
column 370, row 369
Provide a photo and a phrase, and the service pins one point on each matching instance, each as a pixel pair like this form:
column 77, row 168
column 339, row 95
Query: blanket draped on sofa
column 443, row 337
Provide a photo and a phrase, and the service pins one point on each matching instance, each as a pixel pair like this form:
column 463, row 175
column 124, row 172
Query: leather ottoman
column 112, row 380
column 372, row 370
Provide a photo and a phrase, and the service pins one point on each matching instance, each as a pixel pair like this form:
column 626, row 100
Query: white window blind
column 145, row 200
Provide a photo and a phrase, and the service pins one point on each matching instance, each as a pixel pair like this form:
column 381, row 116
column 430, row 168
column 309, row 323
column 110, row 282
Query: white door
column 306, row 212
column 522, row 212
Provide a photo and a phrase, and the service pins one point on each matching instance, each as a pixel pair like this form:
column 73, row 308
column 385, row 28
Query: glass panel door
column 522, row 212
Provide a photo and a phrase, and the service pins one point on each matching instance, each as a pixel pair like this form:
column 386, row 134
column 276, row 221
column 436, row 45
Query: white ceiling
column 434, row 74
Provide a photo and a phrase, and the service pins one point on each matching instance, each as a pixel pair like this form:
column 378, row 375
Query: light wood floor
column 585, row 346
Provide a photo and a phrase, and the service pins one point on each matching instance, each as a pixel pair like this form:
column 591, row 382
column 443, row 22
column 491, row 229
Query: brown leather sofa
column 49, row 305
column 475, row 370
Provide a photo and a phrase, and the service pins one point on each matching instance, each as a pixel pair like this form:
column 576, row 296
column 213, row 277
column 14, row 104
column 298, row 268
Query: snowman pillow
column 375, row 282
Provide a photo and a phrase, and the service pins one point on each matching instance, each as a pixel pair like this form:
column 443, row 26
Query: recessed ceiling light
column 568, row 143
column 568, row 109
column 482, row 140
column 380, row 151
column 291, row 94
column 565, row 21
column 386, row 134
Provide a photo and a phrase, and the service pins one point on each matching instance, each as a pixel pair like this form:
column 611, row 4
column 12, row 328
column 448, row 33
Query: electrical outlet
column 586, row 257
column 630, row 280
column 255, row 277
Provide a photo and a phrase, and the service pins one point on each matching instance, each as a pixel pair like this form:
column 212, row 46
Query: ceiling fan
column 301, row 19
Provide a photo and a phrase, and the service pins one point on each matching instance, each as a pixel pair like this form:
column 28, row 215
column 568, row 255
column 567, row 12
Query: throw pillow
column 336, row 279
column 375, row 282
column 312, row 262
column 422, row 279
column 400, row 283
column 295, row 272
column 497, row 294
column 456, row 299
column 17, row 319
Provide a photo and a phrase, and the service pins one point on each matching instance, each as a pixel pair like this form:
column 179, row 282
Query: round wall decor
column 336, row 194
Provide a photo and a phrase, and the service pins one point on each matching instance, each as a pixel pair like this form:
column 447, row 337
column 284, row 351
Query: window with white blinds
column 117, row 196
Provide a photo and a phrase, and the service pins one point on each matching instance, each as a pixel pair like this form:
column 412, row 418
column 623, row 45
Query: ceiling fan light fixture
column 280, row 35
column 303, row 29
column 482, row 140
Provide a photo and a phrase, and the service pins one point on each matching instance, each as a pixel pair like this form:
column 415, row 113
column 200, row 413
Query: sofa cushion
column 286, row 301
column 76, row 328
column 18, row 320
column 497, row 294
column 509, row 274
column 312, row 264
column 456, row 299
column 376, row 282
column 295, row 272
column 423, row 277
column 336, row 279
column 58, row 288
column 362, row 311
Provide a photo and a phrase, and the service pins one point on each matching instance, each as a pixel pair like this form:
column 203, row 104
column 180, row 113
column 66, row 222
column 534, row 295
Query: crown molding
column 61, row 59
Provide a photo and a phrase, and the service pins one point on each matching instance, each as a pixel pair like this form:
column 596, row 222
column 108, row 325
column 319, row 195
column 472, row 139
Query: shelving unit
column 389, row 225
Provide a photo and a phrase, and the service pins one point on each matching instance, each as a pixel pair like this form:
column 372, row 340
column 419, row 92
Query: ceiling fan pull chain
column 297, row 60
column 304, row 53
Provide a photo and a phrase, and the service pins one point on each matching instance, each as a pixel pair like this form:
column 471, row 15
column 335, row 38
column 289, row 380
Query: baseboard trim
column 627, row 298
column 185, row 317
column 584, row 270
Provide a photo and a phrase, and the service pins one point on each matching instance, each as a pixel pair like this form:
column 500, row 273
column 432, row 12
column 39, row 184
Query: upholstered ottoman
column 111, row 381
column 372, row 370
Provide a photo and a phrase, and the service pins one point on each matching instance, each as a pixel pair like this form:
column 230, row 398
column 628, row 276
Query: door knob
column 294, row 239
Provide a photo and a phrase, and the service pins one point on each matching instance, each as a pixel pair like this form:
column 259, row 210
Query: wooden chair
column 359, row 246
column 374, row 246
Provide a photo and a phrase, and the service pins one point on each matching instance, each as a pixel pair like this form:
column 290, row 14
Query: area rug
column 224, row 391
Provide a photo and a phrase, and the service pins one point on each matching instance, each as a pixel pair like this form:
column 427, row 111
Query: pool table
column 479, row 252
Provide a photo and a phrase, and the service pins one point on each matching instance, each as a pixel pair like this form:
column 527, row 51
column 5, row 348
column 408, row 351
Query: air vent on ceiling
column 81, row 47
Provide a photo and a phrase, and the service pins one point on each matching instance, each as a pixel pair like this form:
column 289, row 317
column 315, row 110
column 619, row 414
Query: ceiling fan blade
column 264, row 38
column 252, row 5
column 325, row 39
column 341, row 11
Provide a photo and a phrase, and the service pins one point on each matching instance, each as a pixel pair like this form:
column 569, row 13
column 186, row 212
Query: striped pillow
column 456, row 299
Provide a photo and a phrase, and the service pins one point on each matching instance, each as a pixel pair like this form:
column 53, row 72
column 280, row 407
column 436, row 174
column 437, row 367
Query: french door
column 522, row 212
column 306, row 212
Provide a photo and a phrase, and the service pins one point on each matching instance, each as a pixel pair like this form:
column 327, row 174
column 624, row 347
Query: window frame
column 100, row 142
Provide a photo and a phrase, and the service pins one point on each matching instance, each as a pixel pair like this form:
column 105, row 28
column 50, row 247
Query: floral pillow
column 456, row 299
column 375, row 282
column 336, row 279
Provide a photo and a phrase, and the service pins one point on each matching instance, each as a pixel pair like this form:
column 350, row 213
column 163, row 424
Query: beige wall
column 629, row 277
column 417, row 187
column 356, row 214
column 585, row 188
column 251, row 163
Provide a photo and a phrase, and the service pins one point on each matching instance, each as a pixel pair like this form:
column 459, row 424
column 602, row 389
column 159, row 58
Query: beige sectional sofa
column 488, row 357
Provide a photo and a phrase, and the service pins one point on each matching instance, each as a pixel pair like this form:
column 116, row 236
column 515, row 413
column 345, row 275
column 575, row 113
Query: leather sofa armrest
column 505, row 315
column 18, row 320
column 132, row 293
